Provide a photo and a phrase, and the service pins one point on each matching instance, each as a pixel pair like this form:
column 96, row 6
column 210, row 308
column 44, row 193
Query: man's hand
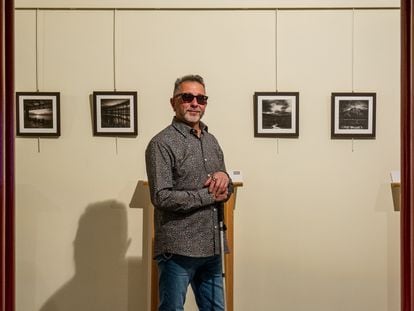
column 218, row 183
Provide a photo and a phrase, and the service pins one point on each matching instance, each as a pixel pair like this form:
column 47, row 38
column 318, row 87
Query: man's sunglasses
column 188, row 98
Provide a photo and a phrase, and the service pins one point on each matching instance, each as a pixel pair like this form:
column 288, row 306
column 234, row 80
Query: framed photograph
column 276, row 114
column 38, row 114
column 353, row 115
column 115, row 113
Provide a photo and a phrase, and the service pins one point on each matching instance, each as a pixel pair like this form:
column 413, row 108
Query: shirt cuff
column 206, row 197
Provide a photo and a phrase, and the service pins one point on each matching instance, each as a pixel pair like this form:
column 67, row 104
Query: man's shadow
column 104, row 278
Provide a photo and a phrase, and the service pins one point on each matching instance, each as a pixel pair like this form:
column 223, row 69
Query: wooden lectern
column 148, row 243
column 396, row 189
column 396, row 195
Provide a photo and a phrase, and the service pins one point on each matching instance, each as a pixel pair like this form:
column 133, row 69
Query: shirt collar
column 185, row 129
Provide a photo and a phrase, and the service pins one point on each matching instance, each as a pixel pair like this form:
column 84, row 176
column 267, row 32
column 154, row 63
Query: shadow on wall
column 104, row 278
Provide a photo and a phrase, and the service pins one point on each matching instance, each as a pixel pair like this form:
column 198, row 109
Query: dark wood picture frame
column 353, row 115
column 115, row 113
column 38, row 114
column 276, row 114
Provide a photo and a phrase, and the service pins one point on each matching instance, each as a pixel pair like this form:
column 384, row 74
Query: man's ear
column 172, row 103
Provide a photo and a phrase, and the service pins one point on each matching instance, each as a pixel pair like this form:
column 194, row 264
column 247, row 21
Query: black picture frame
column 276, row 114
column 115, row 113
column 353, row 115
column 38, row 114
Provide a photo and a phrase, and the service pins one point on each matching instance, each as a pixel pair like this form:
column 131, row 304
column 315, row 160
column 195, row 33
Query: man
column 188, row 185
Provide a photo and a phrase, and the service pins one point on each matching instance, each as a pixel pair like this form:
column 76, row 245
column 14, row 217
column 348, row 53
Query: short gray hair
column 193, row 78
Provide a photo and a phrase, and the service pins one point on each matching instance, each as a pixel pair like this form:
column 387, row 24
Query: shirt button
column 215, row 227
column 205, row 160
column 214, row 209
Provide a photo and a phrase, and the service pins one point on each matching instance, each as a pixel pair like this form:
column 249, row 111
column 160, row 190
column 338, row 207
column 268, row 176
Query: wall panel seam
column 209, row 9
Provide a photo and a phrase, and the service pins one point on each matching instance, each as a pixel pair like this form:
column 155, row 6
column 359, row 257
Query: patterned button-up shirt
column 185, row 216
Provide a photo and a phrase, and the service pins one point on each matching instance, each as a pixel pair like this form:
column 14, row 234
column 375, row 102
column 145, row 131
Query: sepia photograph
column 276, row 114
column 353, row 115
column 115, row 113
column 38, row 114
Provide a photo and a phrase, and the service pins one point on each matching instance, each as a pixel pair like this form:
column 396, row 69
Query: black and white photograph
column 38, row 114
column 353, row 115
column 115, row 113
column 276, row 114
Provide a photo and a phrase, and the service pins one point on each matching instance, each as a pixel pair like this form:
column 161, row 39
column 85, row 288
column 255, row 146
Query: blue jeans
column 176, row 272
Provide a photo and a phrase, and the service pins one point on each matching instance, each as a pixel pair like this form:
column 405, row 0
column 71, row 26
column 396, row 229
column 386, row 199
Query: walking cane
column 222, row 227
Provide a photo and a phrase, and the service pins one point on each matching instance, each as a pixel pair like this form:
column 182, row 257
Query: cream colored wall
column 314, row 224
column 206, row 3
